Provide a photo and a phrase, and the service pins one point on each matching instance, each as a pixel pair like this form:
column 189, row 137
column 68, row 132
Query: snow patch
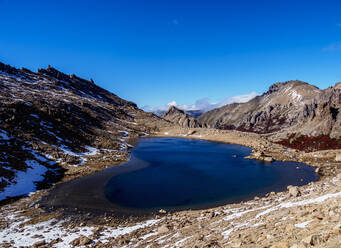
column 295, row 96
column 52, row 229
column 25, row 180
column 303, row 224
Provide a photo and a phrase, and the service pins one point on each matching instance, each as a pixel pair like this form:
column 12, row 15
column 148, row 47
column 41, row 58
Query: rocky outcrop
column 292, row 107
column 260, row 156
column 179, row 117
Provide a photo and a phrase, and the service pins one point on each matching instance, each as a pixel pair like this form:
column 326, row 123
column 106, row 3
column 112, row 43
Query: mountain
column 53, row 124
column 179, row 117
column 193, row 113
column 298, row 114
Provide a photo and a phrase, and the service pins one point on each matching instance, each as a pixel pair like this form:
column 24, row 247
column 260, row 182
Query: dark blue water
column 185, row 173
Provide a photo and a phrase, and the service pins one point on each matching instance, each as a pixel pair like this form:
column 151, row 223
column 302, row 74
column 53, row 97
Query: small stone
column 55, row 241
column 338, row 157
column 298, row 246
column 337, row 229
column 289, row 227
column 318, row 215
column 258, row 154
column 281, row 245
column 82, row 240
column 236, row 243
column 191, row 132
column 312, row 240
column 39, row 243
column 163, row 229
column 162, row 211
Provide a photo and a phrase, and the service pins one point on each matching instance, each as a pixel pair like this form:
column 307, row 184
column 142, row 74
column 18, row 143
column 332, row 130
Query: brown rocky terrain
column 302, row 217
column 180, row 118
column 54, row 126
column 289, row 110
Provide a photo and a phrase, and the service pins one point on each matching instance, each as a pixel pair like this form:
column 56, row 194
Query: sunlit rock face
column 292, row 107
column 179, row 117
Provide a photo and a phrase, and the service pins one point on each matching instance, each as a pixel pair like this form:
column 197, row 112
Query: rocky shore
column 307, row 216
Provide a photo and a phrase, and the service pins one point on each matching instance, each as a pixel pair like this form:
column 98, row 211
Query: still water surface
column 186, row 173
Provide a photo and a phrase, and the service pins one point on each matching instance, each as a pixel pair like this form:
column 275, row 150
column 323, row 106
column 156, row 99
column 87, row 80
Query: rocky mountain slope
column 179, row 117
column 193, row 113
column 53, row 124
column 300, row 114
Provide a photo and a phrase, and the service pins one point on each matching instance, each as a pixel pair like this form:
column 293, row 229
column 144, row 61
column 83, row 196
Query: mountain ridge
column 286, row 109
column 57, row 125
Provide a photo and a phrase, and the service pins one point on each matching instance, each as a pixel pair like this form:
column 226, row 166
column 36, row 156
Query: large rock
column 236, row 243
column 179, row 117
column 163, row 229
column 338, row 157
column 294, row 191
column 39, row 244
column 80, row 241
column 268, row 159
column 313, row 240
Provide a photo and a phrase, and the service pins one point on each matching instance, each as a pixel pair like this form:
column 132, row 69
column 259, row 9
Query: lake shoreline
column 80, row 193
column 186, row 223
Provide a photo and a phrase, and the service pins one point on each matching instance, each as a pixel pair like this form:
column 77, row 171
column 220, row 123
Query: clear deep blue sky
column 154, row 52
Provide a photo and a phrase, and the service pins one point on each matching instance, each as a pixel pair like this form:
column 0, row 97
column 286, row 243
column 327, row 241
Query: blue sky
column 155, row 52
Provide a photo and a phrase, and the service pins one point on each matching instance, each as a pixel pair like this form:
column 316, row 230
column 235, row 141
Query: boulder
column 39, row 243
column 80, row 241
column 268, row 159
column 312, row 240
column 337, row 229
column 162, row 211
column 236, row 243
column 258, row 154
column 191, row 132
column 294, row 191
column 163, row 229
column 338, row 157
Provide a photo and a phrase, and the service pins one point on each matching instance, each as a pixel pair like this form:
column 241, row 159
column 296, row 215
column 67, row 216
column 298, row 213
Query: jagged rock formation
column 51, row 122
column 179, row 117
column 193, row 113
column 290, row 108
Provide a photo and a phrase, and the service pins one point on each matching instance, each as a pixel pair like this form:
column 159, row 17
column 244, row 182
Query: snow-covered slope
column 51, row 122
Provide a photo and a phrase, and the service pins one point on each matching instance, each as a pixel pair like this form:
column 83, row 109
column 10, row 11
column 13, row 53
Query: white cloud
column 203, row 104
column 244, row 98
column 173, row 103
